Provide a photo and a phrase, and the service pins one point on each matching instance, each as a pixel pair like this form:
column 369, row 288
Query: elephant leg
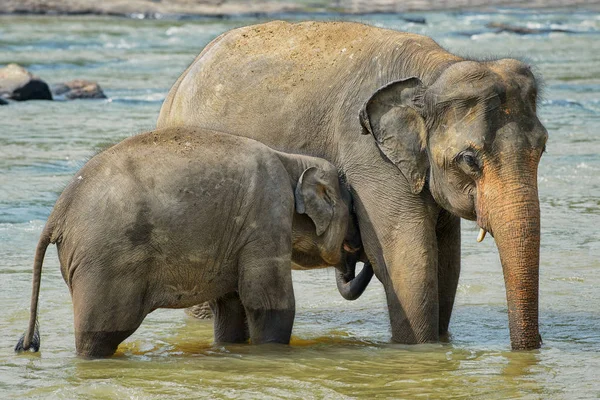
column 230, row 319
column 411, row 289
column 105, row 315
column 398, row 230
column 266, row 291
column 448, row 238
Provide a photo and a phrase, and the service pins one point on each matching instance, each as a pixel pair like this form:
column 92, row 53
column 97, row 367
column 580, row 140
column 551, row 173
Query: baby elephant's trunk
column 351, row 287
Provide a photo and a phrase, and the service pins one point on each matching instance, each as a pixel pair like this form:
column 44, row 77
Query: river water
column 339, row 349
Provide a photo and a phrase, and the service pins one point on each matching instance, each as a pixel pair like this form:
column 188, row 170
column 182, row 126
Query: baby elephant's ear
column 313, row 199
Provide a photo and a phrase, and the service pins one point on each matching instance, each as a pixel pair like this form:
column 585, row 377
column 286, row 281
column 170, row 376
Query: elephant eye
column 469, row 161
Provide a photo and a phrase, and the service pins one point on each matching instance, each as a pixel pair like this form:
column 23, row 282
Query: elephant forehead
column 457, row 139
column 464, row 76
column 485, row 82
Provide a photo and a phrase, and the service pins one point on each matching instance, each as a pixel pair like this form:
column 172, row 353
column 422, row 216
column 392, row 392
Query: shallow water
column 340, row 349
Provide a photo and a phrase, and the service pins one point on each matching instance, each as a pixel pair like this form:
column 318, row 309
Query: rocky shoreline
column 18, row 84
column 158, row 9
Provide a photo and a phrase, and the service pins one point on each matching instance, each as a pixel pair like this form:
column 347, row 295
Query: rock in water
column 19, row 84
column 79, row 89
column 3, row 102
column 200, row 311
column 519, row 30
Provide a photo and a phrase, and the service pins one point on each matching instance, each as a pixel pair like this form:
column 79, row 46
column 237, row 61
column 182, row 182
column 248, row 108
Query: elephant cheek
column 332, row 256
column 452, row 197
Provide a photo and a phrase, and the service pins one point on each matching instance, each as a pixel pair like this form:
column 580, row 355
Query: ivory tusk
column 481, row 235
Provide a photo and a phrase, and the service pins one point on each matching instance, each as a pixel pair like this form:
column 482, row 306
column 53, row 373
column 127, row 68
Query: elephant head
column 473, row 138
column 320, row 224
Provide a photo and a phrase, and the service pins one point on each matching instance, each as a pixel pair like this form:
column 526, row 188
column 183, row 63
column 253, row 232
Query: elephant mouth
column 348, row 248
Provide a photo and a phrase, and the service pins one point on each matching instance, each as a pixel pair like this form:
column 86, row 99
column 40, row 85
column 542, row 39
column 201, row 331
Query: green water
column 340, row 349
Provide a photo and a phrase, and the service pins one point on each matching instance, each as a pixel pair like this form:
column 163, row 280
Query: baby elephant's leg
column 106, row 313
column 230, row 319
column 266, row 291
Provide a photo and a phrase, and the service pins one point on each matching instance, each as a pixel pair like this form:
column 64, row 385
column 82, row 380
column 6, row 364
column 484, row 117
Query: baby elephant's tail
column 31, row 339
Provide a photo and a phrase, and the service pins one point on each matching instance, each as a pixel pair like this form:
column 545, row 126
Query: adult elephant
column 422, row 137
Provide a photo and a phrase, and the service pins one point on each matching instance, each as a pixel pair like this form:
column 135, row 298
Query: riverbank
column 225, row 8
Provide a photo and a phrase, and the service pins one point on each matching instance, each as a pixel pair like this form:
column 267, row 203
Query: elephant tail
column 31, row 338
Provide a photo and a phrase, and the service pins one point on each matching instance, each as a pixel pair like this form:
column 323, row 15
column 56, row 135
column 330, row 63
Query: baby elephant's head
column 321, row 219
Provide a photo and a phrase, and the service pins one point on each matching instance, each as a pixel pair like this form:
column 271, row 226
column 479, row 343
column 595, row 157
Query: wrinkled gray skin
column 351, row 287
column 176, row 217
column 422, row 137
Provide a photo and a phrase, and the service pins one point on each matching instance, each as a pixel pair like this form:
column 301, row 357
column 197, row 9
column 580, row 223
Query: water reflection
column 332, row 365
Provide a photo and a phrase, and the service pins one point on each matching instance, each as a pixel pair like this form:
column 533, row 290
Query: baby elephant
column 176, row 217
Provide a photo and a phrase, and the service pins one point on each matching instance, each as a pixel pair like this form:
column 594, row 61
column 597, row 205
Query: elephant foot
column 270, row 326
column 99, row 344
column 200, row 311
column 445, row 337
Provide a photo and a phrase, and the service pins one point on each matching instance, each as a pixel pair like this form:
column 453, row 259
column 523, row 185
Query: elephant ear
column 393, row 116
column 313, row 199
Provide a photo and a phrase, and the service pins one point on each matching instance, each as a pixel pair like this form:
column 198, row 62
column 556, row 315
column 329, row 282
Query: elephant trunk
column 351, row 287
column 513, row 217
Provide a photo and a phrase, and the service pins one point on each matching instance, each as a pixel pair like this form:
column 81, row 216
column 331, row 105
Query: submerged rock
column 200, row 311
column 79, row 89
column 415, row 20
column 3, row 102
column 519, row 30
column 19, row 84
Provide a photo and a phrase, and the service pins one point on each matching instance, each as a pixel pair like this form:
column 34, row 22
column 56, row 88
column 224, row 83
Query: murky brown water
column 340, row 349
